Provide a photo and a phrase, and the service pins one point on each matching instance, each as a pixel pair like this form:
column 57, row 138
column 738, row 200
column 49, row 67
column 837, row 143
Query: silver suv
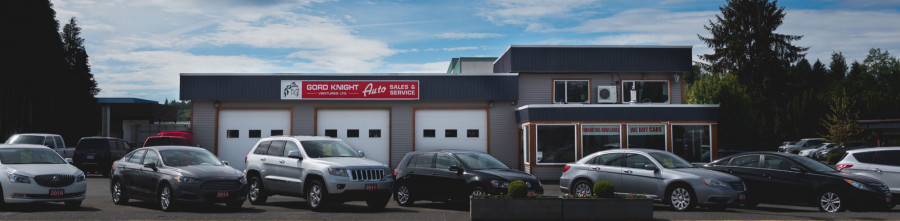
column 882, row 163
column 321, row 169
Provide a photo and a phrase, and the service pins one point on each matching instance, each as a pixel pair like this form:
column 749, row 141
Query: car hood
column 201, row 171
column 349, row 162
column 509, row 174
column 40, row 169
column 703, row 173
column 860, row 178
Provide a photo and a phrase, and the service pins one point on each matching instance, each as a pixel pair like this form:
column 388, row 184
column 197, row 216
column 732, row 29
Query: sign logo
column 349, row 90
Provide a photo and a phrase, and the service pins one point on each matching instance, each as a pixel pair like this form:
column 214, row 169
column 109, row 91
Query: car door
column 887, row 169
column 784, row 182
column 131, row 170
column 147, row 178
column 607, row 167
column 275, row 172
column 449, row 184
column 422, row 178
column 636, row 179
column 747, row 167
column 290, row 169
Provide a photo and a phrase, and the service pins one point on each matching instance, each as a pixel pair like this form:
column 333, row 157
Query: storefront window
column 647, row 136
column 692, row 142
column 647, row 91
column 571, row 91
column 599, row 137
column 555, row 144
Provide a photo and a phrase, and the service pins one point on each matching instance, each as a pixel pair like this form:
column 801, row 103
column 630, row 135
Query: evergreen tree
column 83, row 111
column 837, row 70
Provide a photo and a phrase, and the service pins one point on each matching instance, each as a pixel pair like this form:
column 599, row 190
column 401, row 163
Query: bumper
column 33, row 193
column 340, row 186
column 869, row 200
column 719, row 196
column 192, row 193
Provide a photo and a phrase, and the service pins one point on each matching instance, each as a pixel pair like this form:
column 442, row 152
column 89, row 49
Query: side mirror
column 294, row 154
column 361, row 153
column 69, row 160
column 457, row 169
column 650, row 167
column 225, row 162
column 151, row 166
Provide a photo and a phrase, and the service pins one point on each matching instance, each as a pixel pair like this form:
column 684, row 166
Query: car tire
column 681, row 198
column 583, row 188
column 316, row 195
column 166, row 203
column 234, row 204
column 118, row 193
column 256, row 194
column 378, row 201
column 830, row 201
column 404, row 198
column 73, row 204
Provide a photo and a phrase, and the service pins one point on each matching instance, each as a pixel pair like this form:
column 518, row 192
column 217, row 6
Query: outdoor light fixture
column 216, row 104
column 491, row 103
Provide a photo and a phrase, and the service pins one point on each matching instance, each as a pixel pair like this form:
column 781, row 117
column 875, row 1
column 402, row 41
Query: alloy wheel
column 477, row 192
column 582, row 189
column 164, row 198
column 117, row 192
column 254, row 191
column 681, row 198
column 315, row 196
column 830, row 202
column 403, row 195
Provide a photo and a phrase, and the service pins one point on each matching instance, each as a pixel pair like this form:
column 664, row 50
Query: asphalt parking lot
column 99, row 206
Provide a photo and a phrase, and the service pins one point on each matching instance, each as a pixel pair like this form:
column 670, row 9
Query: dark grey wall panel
column 620, row 113
column 520, row 59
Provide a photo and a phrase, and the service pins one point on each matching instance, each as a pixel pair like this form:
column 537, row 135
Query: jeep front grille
column 367, row 175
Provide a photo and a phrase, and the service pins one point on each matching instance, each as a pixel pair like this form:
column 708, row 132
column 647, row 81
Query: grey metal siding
column 265, row 86
column 619, row 113
column 203, row 124
column 504, row 140
column 537, row 88
column 519, row 59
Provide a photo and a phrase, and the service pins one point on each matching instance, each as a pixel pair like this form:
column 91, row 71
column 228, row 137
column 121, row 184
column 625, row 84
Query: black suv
column 96, row 154
column 454, row 175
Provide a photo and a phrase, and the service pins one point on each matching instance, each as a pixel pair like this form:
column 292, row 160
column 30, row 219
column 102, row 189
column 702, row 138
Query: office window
column 232, row 134
column 571, row 91
column 647, row 136
column 428, row 133
column 374, row 133
column 652, row 91
column 599, row 137
column 692, row 142
column 555, row 144
column 352, row 132
column 277, row 133
column 450, row 133
column 331, row 133
column 472, row 133
column 255, row 133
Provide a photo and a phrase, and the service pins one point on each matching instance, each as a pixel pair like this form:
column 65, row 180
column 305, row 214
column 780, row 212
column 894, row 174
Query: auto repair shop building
column 539, row 108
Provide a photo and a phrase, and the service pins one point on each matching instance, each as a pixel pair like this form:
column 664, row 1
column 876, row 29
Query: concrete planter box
column 561, row 209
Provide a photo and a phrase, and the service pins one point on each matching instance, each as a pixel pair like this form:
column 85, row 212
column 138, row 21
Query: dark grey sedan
column 173, row 175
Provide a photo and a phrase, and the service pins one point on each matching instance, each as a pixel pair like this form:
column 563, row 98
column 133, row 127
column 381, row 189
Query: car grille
column 367, row 174
column 739, row 186
column 220, row 185
column 54, row 180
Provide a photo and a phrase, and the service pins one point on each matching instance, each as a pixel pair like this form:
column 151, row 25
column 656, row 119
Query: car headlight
column 500, row 183
column 337, row 172
column 80, row 177
column 858, row 185
column 184, row 179
column 713, row 182
column 17, row 178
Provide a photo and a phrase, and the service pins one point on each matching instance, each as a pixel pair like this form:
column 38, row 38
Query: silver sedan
column 660, row 175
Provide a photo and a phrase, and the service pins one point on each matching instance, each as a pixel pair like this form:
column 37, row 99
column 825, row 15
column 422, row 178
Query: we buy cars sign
column 350, row 90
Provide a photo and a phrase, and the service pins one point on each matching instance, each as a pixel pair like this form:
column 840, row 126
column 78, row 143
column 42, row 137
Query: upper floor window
column 648, row 91
column 571, row 91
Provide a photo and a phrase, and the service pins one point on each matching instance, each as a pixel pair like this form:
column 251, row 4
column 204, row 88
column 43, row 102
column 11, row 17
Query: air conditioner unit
column 607, row 95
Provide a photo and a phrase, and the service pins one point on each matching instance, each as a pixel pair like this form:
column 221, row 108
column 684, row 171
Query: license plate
column 90, row 157
column 742, row 197
column 371, row 187
column 57, row 192
column 222, row 195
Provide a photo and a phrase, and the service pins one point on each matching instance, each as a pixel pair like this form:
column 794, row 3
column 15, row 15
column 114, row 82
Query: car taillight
column 245, row 160
column 842, row 166
column 566, row 168
column 395, row 171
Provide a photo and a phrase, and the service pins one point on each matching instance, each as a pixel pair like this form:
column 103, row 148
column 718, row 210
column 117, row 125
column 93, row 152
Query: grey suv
column 321, row 169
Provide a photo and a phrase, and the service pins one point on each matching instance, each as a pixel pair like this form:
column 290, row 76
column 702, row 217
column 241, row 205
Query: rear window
column 161, row 141
column 27, row 139
column 92, row 144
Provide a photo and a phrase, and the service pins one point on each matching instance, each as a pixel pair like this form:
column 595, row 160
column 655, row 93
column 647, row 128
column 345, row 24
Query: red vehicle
column 180, row 138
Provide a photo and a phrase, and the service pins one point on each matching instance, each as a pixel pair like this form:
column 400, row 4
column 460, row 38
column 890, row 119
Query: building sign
column 600, row 130
column 349, row 90
column 646, row 129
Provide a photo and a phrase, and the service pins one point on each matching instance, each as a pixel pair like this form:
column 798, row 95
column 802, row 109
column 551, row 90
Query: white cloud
column 453, row 49
column 456, row 36
column 433, row 67
column 532, row 12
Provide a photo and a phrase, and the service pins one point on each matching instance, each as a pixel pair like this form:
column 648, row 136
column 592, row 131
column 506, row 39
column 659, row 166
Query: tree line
column 47, row 84
column 769, row 92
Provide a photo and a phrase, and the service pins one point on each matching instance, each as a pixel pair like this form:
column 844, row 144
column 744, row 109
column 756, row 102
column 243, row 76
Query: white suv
column 882, row 163
column 321, row 169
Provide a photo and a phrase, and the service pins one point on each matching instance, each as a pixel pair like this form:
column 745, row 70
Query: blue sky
column 138, row 48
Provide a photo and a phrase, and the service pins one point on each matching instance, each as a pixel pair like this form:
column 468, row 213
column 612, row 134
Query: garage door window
column 277, row 132
column 428, row 133
column 472, row 133
column 599, row 137
column 374, row 133
column 450, row 133
column 233, row 134
column 353, row 133
column 331, row 133
column 555, row 144
column 255, row 133
column 647, row 136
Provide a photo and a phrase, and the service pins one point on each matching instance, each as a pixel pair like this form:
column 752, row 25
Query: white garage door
column 366, row 130
column 239, row 130
column 451, row 129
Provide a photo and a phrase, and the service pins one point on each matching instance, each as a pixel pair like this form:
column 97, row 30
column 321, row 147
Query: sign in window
column 647, row 136
column 599, row 137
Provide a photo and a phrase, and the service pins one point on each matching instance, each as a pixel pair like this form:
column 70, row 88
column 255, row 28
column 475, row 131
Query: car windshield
column 26, row 139
column 814, row 165
column 480, row 161
column 30, row 156
column 180, row 158
column 670, row 161
column 159, row 141
column 328, row 148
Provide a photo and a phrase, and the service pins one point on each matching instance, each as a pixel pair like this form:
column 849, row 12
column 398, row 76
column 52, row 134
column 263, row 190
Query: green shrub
column 833, row 158
column 604, row 189
column 517, row 189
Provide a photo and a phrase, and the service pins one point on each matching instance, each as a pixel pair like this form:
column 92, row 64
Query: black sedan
column 454, row 175
column 782, row 178
column 171, row 175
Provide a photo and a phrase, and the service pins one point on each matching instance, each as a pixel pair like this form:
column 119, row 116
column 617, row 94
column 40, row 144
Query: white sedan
column 35, row 173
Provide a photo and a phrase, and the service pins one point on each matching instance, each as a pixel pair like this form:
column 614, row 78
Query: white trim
column 580, row 126
column 665, row 127
column 579, row 105
column 537, row 135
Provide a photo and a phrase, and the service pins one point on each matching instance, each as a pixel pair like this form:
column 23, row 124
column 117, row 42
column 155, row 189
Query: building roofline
column 347, row 74
column 613, row 105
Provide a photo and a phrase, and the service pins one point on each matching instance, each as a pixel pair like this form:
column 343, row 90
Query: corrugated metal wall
column 518, row 59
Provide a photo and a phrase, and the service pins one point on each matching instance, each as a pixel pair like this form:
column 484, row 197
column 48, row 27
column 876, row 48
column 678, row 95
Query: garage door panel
column 366, row 130
column 239, row 130
column 451, row 129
